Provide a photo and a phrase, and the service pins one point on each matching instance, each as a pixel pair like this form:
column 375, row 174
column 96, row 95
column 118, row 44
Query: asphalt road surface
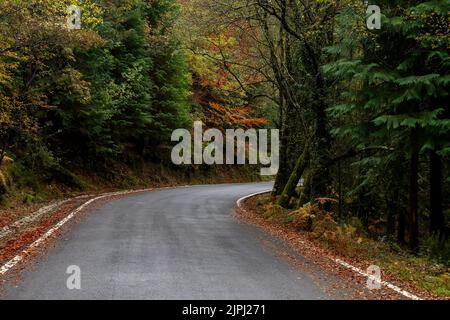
column 171, row 244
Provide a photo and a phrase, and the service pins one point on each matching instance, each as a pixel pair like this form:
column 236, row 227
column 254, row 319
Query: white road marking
column 239, row 202
column 345, row 264
column 383, row 283
column 14, row 261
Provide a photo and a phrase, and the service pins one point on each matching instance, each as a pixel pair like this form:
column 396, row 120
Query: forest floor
column 418, row 275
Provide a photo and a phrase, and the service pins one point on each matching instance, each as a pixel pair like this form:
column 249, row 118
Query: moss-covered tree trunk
column 283, row 172
column 305, row 196
column 320, row 157
column 299, row 169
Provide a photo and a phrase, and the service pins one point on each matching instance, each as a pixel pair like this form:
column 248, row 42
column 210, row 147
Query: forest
column 363, row 114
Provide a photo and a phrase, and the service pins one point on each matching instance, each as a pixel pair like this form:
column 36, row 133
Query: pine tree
column 395, row 84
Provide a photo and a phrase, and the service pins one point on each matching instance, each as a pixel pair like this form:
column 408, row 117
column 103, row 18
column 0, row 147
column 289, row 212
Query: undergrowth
column 429, row 270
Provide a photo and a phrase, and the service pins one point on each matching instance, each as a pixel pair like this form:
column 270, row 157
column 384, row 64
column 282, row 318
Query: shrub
column 325, row 227
column 303, row 218
column 273, row 211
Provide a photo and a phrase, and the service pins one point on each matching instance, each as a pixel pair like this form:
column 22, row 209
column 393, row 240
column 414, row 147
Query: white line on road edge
column 345, row 264
column 14, row 261
column 383, row 283
column 239, row 202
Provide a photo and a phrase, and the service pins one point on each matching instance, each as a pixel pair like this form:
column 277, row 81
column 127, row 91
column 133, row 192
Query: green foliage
column 392, row 100
column 116, row 86
column 394, row 81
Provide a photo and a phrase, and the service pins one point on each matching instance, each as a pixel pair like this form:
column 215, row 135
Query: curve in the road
column 171, row 244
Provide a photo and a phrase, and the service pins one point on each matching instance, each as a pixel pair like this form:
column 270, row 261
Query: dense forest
column 363, row 114
column 99, row 99
column 107, row 91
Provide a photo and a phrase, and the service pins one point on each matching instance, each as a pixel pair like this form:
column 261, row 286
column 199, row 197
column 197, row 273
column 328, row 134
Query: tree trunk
column 340, row 192
column 437, row 221
column 292, row 183
column 395, row 208
column 290, row 145
column 413, row 215
column 321, row 159
column 305, row 197
column 283, row 172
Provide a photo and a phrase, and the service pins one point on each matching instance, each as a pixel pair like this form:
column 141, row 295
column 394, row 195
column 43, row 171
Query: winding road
column 181, row 243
